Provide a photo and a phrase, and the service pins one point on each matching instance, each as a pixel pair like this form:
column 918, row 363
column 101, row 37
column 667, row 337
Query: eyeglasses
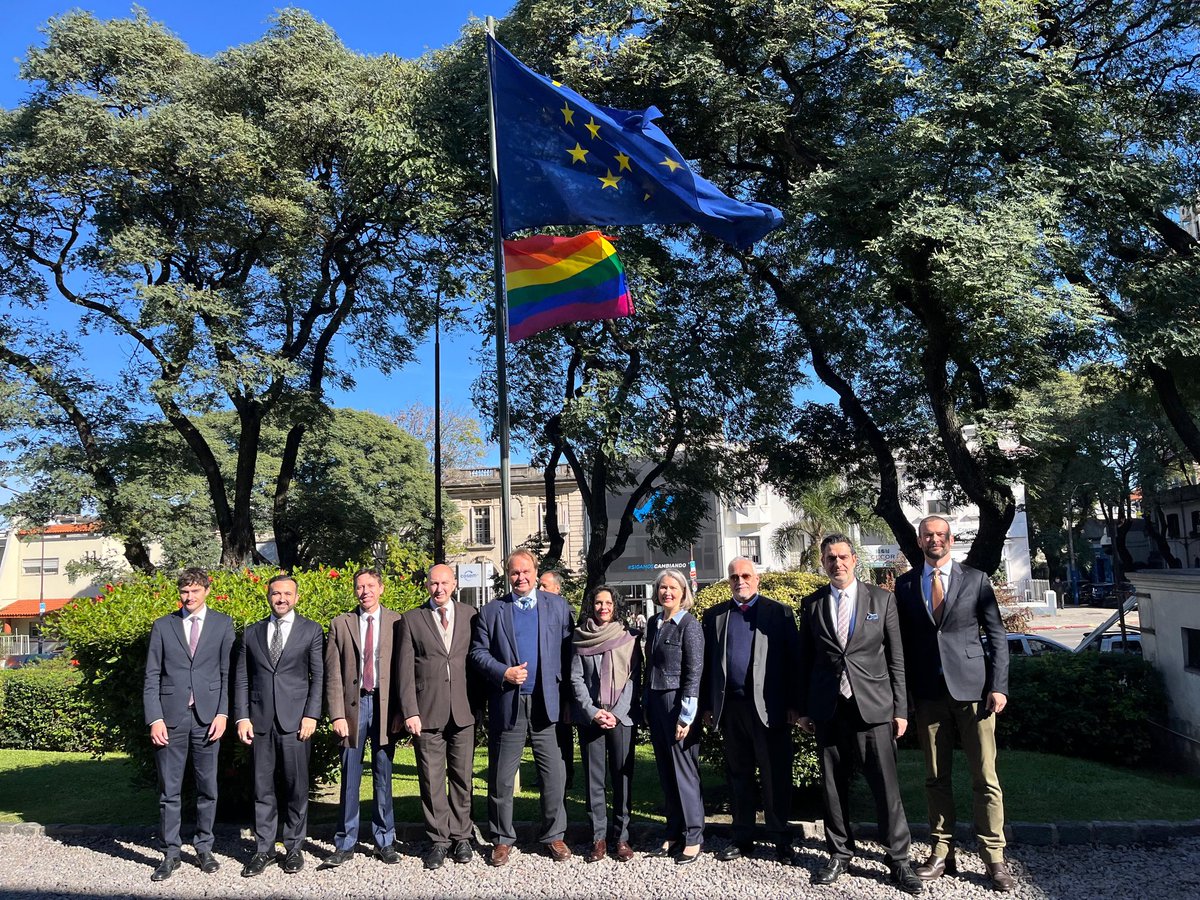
column 740, row 577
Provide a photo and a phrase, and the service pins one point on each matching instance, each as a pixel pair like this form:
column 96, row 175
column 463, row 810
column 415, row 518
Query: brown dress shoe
column 1000, row 877
column 500, row 854
column 624, row 851
column 559, row 852
column 599, row 851
column 937, row 866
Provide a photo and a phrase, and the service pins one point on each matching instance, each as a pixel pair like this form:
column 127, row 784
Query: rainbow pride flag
column 553, row 280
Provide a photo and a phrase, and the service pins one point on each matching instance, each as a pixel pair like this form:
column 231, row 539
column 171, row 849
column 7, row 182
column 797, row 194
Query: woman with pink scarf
column 606, row 668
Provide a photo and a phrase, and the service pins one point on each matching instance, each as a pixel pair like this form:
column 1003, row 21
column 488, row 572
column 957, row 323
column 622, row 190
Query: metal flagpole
column 439, row 538
column 501, row 317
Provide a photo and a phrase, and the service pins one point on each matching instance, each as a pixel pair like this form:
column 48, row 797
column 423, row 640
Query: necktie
column 277, row 643
column 843, row 631
column 937, row 596
column 744, row 607
column 369, row 657
column 445, row 618
column 195, row 636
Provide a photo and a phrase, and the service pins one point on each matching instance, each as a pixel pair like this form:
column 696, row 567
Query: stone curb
column 1031, row 834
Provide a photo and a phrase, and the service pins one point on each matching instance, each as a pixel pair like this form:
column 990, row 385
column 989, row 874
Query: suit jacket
column 282, row 694
column 585, row 687
column 494, row 649
column 172, row 675
column 432, row 681
column 676, row 661
column 343, row 663
column 873, row 657
column 775, row 654
column 953, row 649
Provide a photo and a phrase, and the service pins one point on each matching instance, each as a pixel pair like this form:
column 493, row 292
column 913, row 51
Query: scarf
column 615, row 645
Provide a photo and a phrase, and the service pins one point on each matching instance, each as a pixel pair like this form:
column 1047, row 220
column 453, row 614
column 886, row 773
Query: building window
column 1172, row 525
column 481, row 525
column 47, row 566
column 937, row 506
column 1196, row 523
column 1191, row 648
column 751, row 548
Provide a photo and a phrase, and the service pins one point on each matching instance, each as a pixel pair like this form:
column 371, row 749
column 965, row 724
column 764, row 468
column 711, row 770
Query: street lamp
column 1073, row 575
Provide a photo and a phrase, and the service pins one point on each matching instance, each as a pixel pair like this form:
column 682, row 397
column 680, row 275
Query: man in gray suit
column 185, row 695
column 431, row 672
column 277, row 701
column 519, row 649
column 360, row 694
column 960, row 685
column 852, row 697
column 751, row 649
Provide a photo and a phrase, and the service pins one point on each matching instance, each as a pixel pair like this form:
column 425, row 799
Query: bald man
column 431, row 671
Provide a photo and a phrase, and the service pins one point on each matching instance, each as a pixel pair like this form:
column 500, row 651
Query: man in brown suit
column 431, row 675
column 359, row 694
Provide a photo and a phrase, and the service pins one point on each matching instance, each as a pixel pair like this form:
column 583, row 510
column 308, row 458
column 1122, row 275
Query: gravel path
column 39, row 867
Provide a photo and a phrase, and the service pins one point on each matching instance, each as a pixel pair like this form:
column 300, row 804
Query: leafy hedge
column 786, row 587
column 43, row 707
column 1091, row 705
column 109, row 635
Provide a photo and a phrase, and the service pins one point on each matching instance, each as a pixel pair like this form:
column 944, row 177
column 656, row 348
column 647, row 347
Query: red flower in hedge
column 109, row 588
column 333, row 573
column 220, row 597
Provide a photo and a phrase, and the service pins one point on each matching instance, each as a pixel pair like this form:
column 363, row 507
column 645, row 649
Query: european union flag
column 565, row 161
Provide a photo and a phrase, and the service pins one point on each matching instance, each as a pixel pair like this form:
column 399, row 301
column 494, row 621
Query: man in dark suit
column 751, row 649
column 360, row 694
column 186, row 699
column 959, row 685
column 520, row 648
column 277, row 701
column 431, row 672
column 852, row 697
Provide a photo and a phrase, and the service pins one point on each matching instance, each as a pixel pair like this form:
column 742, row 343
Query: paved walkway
column 1074, row 623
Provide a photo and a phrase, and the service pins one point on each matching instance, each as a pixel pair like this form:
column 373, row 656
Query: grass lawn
column 74, row 788
column 1041, row 787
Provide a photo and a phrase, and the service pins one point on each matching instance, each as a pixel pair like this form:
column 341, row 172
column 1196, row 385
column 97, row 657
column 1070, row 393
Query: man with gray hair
column 751, row 650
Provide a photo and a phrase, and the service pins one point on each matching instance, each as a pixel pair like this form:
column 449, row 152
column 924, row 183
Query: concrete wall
column 1168, row 603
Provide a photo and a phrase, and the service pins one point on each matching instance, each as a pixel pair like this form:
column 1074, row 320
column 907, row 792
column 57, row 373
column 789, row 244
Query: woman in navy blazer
column 675, row 661
column 606, row 670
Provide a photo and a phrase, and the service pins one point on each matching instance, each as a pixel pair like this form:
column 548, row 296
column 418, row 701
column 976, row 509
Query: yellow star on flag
column 593, row 127
column 623, row 163
column 609, row 180
column 568, row 114
column 670, row 163
column 578, row 154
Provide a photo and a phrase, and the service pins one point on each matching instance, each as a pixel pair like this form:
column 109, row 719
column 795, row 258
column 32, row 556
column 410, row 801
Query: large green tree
column 975, row 196
column 244, row 229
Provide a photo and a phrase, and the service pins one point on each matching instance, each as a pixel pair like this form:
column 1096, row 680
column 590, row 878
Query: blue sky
column 368, row 26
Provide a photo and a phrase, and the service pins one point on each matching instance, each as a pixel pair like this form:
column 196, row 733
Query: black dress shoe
column 388, row 854
column 257, row 865
column 435, row 856
column 462, row 852
column 683, row 859
column 293, row 862
column 208, row 862
column 667, row 849
column 736, row 850
column 336, row 858
column 906, row 879
column 165, row 869
column 831, row 871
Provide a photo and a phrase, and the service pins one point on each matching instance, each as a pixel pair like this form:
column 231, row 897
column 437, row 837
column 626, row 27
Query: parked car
column 1111, row 642
column 20, row 660
column 1032, row 645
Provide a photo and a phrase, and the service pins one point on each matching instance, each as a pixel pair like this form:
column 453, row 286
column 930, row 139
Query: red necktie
column 369, row 657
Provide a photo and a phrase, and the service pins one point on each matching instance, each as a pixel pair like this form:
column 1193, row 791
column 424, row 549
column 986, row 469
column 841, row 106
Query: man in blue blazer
column 277, row 702
column 520, row 648
column 186, row 698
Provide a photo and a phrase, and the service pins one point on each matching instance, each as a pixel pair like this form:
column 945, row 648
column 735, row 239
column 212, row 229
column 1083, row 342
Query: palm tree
column 824, row 507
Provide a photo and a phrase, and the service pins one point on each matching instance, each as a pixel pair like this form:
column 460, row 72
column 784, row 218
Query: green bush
column 109, row 635
column 45, row 708
column 786, row 587
column 1092, row 705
